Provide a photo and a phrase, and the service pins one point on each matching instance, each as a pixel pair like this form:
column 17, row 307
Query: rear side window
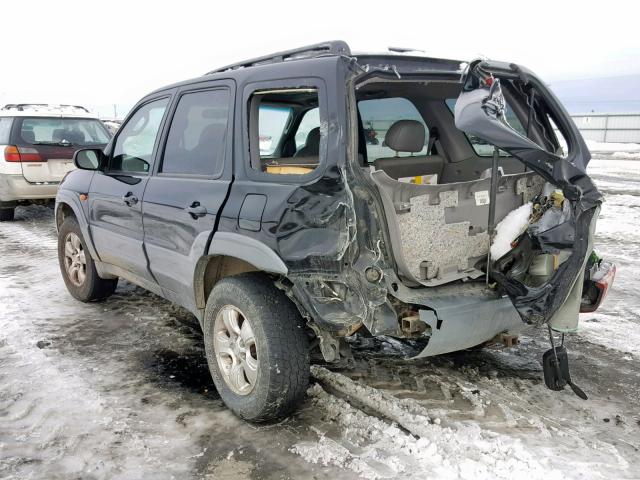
column 134, row 147
column 5, row 129
column 285, row 137
column 377, row 117
column 197, row 136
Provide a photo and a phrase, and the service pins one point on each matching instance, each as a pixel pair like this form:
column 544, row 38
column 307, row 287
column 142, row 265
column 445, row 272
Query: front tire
column 78, row 268
column 256, row 346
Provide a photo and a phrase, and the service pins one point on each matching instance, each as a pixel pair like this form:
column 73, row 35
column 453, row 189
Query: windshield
column 63, row 131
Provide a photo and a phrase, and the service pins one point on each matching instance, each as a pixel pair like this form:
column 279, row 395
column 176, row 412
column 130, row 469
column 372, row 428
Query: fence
column 609, row 127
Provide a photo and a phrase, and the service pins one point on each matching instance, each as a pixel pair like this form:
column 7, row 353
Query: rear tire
column 7, row 214
column 257, row 347
column 78, row 268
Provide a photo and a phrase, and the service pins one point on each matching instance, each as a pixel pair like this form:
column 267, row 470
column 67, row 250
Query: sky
column 106, row 53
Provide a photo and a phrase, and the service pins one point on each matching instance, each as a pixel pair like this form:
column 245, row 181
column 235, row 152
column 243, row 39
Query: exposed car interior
column 434, row 180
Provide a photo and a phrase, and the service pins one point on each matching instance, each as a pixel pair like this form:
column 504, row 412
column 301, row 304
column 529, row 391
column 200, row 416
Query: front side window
column 197, row 136
column 284, row 134
column 134, row 146
column 78, row 132
column 378, row 116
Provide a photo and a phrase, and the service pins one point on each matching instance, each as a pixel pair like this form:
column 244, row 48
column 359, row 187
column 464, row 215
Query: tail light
column 21, row 154
column 596, row 288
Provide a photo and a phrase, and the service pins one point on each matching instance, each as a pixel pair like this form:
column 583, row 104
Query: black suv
column 254, row 197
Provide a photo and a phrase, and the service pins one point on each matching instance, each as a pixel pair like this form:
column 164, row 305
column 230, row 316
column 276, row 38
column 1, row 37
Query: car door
column 115, row 195
column 183, row 197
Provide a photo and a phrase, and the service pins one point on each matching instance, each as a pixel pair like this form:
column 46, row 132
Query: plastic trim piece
column 248, row 249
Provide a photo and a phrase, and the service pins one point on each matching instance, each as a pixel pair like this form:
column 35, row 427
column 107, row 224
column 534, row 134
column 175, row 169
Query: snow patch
column 509, row 229
column 403, row 441
column 600, row 147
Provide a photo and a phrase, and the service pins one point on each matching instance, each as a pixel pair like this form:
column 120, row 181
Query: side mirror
column 88, row 158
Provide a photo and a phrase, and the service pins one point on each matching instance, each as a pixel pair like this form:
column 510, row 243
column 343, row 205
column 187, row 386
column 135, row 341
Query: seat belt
column 433, row 136
column 434, row 139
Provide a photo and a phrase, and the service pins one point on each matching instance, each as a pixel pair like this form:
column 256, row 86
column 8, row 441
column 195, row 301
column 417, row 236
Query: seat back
column 408, row 136
column 311, row 146
column 402, row 167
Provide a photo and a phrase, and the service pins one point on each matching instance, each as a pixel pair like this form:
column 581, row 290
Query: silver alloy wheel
column 75, row 261
column 236, row 351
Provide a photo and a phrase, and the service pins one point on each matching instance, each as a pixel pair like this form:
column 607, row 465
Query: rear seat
column 408, row 136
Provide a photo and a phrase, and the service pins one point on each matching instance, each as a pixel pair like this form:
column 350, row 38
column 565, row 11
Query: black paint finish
column 328, row 226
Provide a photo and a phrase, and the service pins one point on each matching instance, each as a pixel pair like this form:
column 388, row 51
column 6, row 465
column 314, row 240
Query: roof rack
column 334, row 47
column 34, row 106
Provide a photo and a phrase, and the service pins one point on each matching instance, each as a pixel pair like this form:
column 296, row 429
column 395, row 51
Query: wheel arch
column 231, row 254
column 63, row 211
column 67, row 205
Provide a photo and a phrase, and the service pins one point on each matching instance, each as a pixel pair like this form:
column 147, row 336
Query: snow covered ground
column 614, row 150
column 121, row 390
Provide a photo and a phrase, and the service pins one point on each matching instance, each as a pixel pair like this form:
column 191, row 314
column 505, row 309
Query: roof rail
column 334, row 47
column 30, row 106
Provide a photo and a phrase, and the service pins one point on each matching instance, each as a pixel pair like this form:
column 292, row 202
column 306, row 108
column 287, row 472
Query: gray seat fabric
column 58, row 135
column 408, row 136
column 401, row 167
column 28, row 136
column 311, row 145
column 76, row 136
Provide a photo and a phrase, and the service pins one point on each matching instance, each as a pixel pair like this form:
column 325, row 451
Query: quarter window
column 134, row 147
column 197, row 136
column 284, row 131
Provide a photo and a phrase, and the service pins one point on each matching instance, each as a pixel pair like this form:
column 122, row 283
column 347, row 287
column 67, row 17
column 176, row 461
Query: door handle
column 130, row 199
column 196, row 210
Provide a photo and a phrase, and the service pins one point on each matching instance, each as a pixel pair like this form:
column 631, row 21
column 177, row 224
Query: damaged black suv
column 295, row 199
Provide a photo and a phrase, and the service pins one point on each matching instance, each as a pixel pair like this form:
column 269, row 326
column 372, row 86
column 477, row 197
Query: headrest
column 58, row 135
column 405, row 136
column 28, row 136
column 215, row 131
column 313, row 137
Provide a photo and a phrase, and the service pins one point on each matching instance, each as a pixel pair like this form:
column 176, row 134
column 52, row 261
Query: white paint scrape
column 509, row 229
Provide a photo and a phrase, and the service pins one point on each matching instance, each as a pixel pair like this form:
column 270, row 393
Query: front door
column 183, row 197
column 115, row 195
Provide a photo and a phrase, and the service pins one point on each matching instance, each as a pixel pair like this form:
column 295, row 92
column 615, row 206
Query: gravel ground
column 120, row 389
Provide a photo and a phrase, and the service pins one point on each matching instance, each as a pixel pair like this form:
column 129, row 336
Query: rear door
column 51, row 141
column 115, row 195
column 184, row 196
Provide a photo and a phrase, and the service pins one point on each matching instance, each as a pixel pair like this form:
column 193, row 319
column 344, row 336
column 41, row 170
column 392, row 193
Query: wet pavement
column 121, row 389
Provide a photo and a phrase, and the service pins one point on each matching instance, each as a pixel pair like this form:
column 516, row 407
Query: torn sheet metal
column 480, row 111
